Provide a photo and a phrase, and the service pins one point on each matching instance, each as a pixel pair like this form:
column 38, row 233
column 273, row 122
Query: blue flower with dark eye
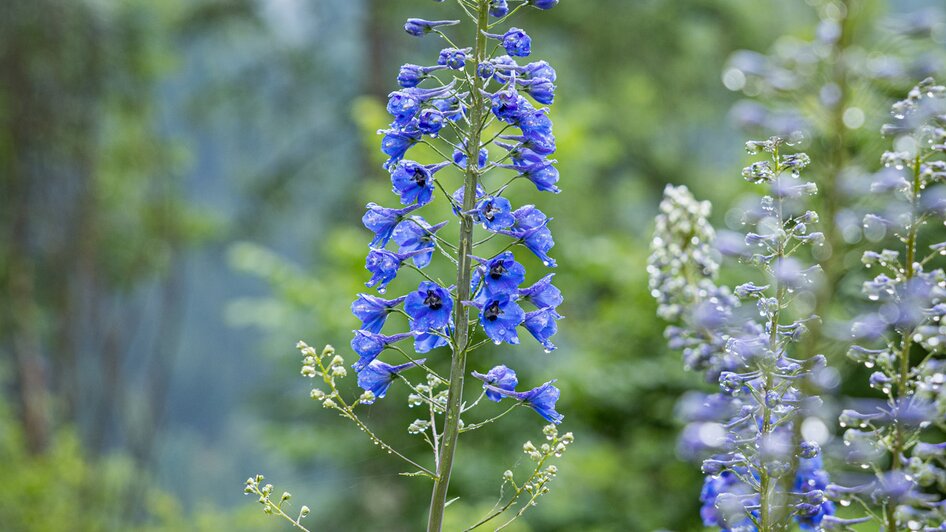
column 499, row 377
column 543, row 294
column 493, row 213
column 502, row 274
column 535, row 168
column 382, row 221
column 430, row 307
column 369, row 345
column 377, row 376
column 396, row 141
column 384, row 265
column 499, row 316
column 414, row 182
column 430, row 122
column 541, row 89
column 419, row 27
column 453, row 58
column 531, row 229
column 541, row 323
column 541, row 399
column 543, row 4
column 516, row 42
column 498, row 8
column 373, row 311
column 460, row 158
column 416, row 234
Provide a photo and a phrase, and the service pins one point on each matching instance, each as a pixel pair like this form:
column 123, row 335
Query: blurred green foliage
column 183, row 183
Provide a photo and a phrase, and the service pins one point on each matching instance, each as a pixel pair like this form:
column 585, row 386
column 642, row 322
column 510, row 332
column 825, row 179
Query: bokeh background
column 181, row 186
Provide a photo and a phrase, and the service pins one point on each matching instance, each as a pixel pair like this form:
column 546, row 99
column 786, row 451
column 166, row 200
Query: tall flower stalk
column 474, row 111
column 902, row 339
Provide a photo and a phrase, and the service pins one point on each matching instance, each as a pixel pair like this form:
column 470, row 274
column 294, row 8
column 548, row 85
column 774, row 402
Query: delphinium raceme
column 758, row 477
column 902, row 338
column 478, row 110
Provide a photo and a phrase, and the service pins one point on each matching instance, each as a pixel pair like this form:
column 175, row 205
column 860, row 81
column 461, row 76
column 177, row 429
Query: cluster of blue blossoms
column 761, row 474
column 437, row 107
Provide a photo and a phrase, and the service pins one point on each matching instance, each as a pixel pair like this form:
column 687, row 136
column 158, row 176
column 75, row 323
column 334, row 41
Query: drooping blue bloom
column 377, row 376
column 536, row 168
column 460, row 158
column 403, row 106
column 504, row 67
column 727, row 516
column 812, row 478
column 541, row 399
column 543, row 4
column 494, row 213
column 369, row 345
column 382, row 221
column 458, row 194
column 383, row 265
column 453, row 58
column 502, row 274
column 531, row 228
column 412, row 75
column 499, row 377
column 373, row 311
column 515, row 41
column 416, row 234
column 542, row 90
column 499, row 316
column 425, row 342
column 398, row 140
column 541, row 323
column 485, row 70
column 542, row 294
column 430, row 307
column 414, row 182
column 419, row 27
column 498, row 8
column 430, row 122
column 451, row 108
column 508, row 104
column 539, row 69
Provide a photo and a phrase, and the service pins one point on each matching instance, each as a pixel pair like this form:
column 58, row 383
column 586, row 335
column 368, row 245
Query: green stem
column 451, row 429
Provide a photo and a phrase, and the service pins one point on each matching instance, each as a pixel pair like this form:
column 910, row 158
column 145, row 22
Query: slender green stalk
column 906, row 342
column 451, row 429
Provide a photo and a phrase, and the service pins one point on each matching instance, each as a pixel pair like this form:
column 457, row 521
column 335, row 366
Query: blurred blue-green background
column 182, row 186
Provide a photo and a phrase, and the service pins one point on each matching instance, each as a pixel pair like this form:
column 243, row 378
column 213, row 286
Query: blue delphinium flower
column 542, row 294
column 541, row 90
column 498, row 8
column 384, row 264
column 416, row 234
column 460, row 158
column 430, row 122
column 501, row 274
column 812, row 480
column 426, row 342
column 536, row 168
column 458, row 194
column 419, row 27
column 397, row 140
column 499, row 316
column 453, row 58
column 373, row 311
column 499, row 377
column 382, row 221
column 515, row 41
column 414, row 182
column 531, row 228
column 369, row 345
column 543, row 4
column 494, row 213
column 541, row 399
column 539, row 69
column 411, row 75
column 430, row 307
column 541, row 324
column 377, row 377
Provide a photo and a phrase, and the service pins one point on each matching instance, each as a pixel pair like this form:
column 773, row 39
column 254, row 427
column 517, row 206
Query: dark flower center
column 497, row 270
column 490, row 211
column 433, row 300
column 420, row 177
column 492, row 312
